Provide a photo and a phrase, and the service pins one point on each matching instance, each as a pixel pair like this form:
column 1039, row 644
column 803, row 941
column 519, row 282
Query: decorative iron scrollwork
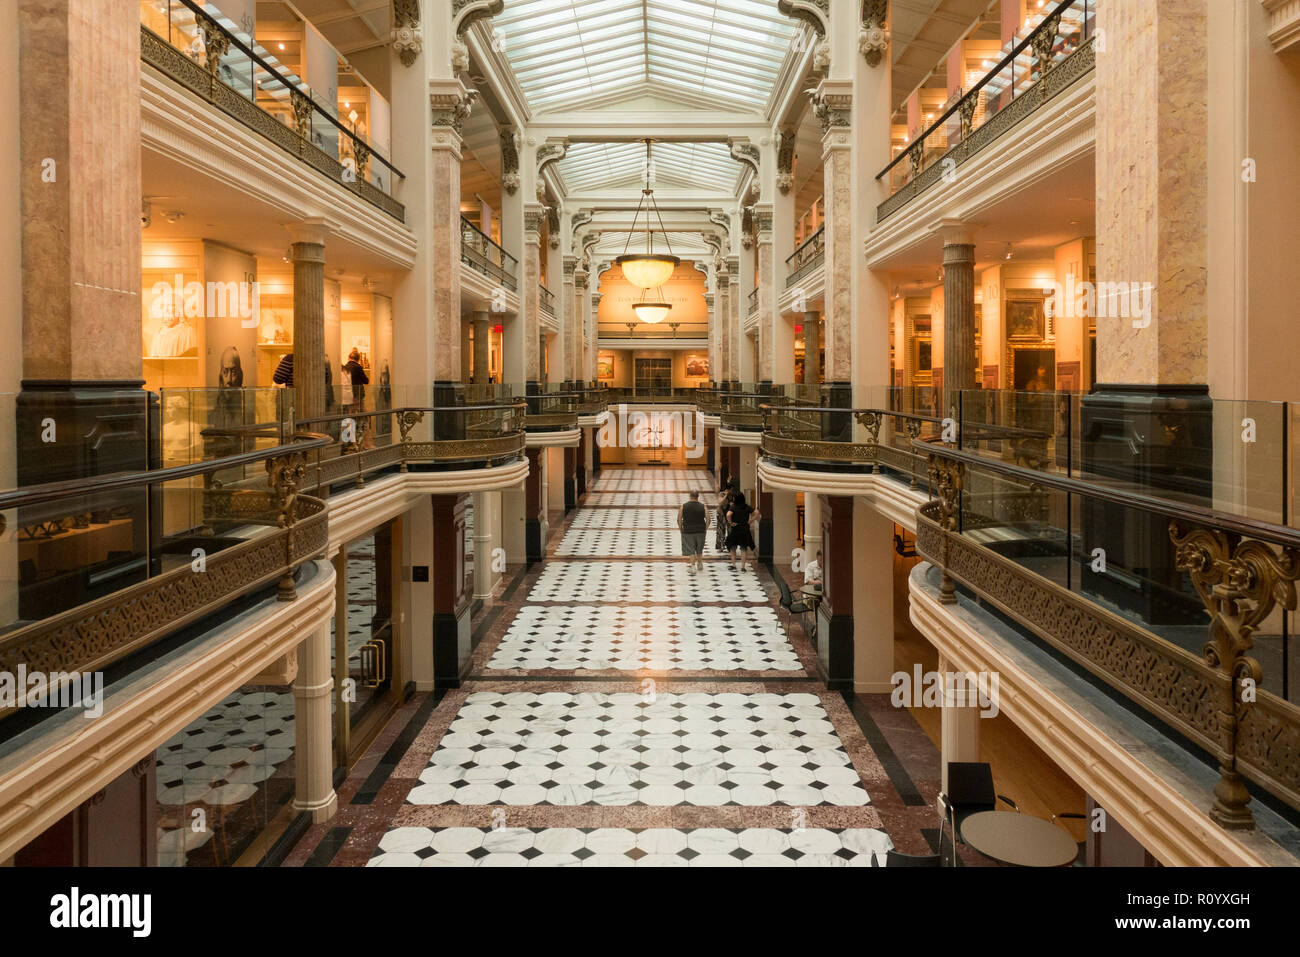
column 1240, row 581
column 947, row 479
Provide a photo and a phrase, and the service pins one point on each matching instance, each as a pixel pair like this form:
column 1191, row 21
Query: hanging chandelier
column 648, row 270
column 651, row 312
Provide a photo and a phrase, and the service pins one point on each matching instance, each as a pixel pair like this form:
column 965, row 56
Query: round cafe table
column 1021, row 840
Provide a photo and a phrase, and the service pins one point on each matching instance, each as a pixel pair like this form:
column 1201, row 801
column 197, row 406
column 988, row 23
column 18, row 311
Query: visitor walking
column 723, row 506
column 693, row 521
column 740, row 538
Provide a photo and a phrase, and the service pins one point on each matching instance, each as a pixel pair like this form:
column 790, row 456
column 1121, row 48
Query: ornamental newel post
column 1240, row 582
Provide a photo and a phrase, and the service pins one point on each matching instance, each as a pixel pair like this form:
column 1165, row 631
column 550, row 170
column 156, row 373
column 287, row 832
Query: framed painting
column 1026, row 317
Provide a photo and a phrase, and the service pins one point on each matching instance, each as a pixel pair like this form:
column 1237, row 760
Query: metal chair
column 1083, row 845
column 970, row 791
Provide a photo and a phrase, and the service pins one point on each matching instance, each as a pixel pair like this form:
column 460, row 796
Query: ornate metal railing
column 1049, row 60
column 482, row 254
column 1205, row 684
column 546, row 300
column 171, row 580
column 753, row 301
column 222, row 69
column 810, row 254
column 482, row 435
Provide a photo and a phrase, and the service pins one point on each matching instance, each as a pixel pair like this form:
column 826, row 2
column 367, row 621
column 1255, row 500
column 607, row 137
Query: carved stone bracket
column 815, row 13
column 746, row 153
column 550, row 152
column 406, row 37
column 785, row 142
column 873, row 38
column 553, row 226
column 465, row 13
column 720, row 219
column 747, row 227
column 1240, row 581
column 510, row 160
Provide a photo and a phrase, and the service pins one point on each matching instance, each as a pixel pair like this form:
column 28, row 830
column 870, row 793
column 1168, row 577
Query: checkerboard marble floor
column 641, row 638
column 623, row 710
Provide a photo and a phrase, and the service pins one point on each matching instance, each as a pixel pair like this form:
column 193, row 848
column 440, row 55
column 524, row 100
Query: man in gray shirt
column 693, row 520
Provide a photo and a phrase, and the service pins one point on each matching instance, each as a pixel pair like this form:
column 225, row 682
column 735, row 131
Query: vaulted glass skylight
column 685, row 165
column 714, row 54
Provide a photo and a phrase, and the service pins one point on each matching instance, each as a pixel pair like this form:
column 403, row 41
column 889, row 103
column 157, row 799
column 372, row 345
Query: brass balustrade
column 1242, row 570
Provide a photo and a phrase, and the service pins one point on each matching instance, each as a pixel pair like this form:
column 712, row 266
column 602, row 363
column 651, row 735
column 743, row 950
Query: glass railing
column 482, row 254
column 799, row 433
column 1178, row 601
column 110, row 557
column 810, row 254
column 213, row 56
column 1056, row 36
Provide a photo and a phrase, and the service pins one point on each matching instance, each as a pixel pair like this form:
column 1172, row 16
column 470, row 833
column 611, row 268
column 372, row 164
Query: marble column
column 958, row 315
column 812, row 348
column 482, row 340
column 767, row 516
column 313, row 739
column 832, row 103
column 75, row 137
column 580, row 467
column 570, row 478
column 452, row 592
column 835, row 614
column 450, row 105
column 578, row 333
column 812, row 526
column 768, row 311
column 1149, row 160
column 568, row 339
column 737, row 303
column 308, row 255
column 719, row 369
column 529, row 294
column 535, row 521
column 342, row 707
column 465, row 350
column 959, row 730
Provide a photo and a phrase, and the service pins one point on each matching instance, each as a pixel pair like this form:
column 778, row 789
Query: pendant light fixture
column 648, row 270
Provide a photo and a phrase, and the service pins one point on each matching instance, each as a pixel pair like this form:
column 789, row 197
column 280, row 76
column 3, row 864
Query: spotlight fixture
column 648, row 270
column 1009, row 252
column 174, row 216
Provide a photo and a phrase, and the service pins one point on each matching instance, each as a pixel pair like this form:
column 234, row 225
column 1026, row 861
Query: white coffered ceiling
column 576, row 54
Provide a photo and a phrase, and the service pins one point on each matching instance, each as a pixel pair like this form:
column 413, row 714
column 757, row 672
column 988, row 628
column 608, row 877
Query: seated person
column 812, row 574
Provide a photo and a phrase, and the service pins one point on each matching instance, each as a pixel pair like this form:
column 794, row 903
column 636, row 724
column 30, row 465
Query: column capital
column 763, row 222
column 580, row 279
column 956, row 232
column 569, row 265
column 450, row 102
column 832, row 102
column 534, row 217
column 310, row 231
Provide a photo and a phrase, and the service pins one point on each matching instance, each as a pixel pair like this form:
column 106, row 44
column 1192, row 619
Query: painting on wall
column 605, row 367
column 1026, row 317
column 697, row 367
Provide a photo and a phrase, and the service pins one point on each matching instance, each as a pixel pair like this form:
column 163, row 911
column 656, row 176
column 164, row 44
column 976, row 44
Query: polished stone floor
column 624, row 711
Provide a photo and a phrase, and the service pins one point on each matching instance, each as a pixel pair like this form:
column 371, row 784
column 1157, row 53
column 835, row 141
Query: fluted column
column 308, row 255
column 721, row 322
column 958, row 314
column 482, row 352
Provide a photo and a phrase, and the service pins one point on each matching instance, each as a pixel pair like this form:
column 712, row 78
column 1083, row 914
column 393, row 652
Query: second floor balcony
column 810, row 255
column 486, row 256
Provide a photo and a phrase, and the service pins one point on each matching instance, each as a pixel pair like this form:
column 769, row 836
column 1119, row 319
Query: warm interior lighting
column 648, row 270
column 651, row 312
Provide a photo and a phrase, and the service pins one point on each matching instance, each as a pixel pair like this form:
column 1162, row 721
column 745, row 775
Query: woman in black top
column 723, row 506
column 740, row 537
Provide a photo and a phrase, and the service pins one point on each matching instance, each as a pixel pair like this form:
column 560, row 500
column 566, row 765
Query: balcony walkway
column 622, row 711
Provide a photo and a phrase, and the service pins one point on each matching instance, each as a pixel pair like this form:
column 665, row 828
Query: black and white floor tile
column 621, row 518
column 633, row 581
column 624, row 847
column 625, row 749
column 603, row 500
column 650, row 542
column 629, row 638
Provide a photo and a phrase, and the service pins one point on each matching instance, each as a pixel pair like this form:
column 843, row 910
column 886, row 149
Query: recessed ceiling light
column 281, row 46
